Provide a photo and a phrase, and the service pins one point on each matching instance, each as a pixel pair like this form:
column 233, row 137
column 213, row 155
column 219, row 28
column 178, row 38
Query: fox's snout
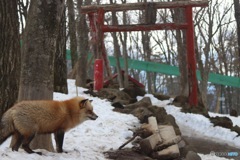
column 92, row 116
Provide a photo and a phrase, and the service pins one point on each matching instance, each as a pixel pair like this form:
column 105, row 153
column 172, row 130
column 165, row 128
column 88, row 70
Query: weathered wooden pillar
column 193, row 96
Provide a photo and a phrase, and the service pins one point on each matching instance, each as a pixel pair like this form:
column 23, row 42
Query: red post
column 98, row 74
column 193, row 100
column 96, row 22
column 99, row 24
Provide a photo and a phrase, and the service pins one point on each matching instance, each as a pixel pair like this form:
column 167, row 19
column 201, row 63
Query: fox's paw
column 61, row 151
column 39, row 153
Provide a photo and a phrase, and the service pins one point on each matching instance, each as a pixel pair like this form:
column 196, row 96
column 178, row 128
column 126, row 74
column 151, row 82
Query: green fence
column 172, row 70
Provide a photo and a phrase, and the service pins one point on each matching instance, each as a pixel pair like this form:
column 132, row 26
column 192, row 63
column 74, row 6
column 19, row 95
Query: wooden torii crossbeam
column 96, row 17
column 142, row 6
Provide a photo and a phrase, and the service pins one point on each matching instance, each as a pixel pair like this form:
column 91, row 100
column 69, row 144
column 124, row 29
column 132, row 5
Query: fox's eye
column 89, row 112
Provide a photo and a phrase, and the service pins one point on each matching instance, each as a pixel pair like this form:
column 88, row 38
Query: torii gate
column 96, row 17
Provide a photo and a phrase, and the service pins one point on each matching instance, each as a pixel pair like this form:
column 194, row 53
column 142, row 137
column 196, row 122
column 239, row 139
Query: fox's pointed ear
column 83, row 103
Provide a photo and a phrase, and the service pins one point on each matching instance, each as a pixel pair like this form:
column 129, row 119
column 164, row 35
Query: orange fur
column 31, row 117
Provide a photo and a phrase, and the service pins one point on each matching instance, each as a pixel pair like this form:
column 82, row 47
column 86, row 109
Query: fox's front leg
column 59, row 136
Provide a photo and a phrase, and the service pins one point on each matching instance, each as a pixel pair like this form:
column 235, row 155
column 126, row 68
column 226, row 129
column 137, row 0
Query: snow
column 194, row 125
column 91, row 139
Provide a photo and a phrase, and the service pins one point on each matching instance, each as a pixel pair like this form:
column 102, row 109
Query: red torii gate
column 96, row 17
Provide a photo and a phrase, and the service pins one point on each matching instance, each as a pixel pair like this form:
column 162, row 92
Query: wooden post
column 96, row 23
column 99, row 24
column 191, row 60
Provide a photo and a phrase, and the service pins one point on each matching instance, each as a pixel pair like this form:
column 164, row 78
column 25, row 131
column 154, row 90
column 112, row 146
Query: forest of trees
column 45, row 29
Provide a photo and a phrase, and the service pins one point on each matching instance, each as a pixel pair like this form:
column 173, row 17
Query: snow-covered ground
column 199, row 126
column 89, row 140
column 194, row 125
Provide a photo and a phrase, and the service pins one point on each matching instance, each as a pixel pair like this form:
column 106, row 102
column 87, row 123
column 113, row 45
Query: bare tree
column 179, row 17
column 147, row 56
column 83, row 45
column 117, row 52
column 9, row 54
column 124, row 49
column 72, row 31
column 60, row 62
column 39, row 47
column 237, row 16
column 210, row 22
column 167, row 53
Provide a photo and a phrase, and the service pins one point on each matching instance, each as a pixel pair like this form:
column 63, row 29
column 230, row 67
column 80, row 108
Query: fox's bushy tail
column 6, row 127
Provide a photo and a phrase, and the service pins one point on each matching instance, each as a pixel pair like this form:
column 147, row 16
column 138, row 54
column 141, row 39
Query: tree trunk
column 237, row 16
column 72, row 32
column 218, row 95
column 125, row 52
column 117, row 52
column 39, row 47
column 179, row 17
column 83, row 47
column 147, row 56
column 125, row 56
column 60, row 63
column 9, row 54
column 202, row 91
column 147, row 51
column 117, row 55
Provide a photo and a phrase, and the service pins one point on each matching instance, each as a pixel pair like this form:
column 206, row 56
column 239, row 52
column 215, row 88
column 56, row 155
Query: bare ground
column 206, row 146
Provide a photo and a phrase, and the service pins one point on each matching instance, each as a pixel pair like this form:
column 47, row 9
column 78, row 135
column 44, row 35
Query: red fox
column 28, row 118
